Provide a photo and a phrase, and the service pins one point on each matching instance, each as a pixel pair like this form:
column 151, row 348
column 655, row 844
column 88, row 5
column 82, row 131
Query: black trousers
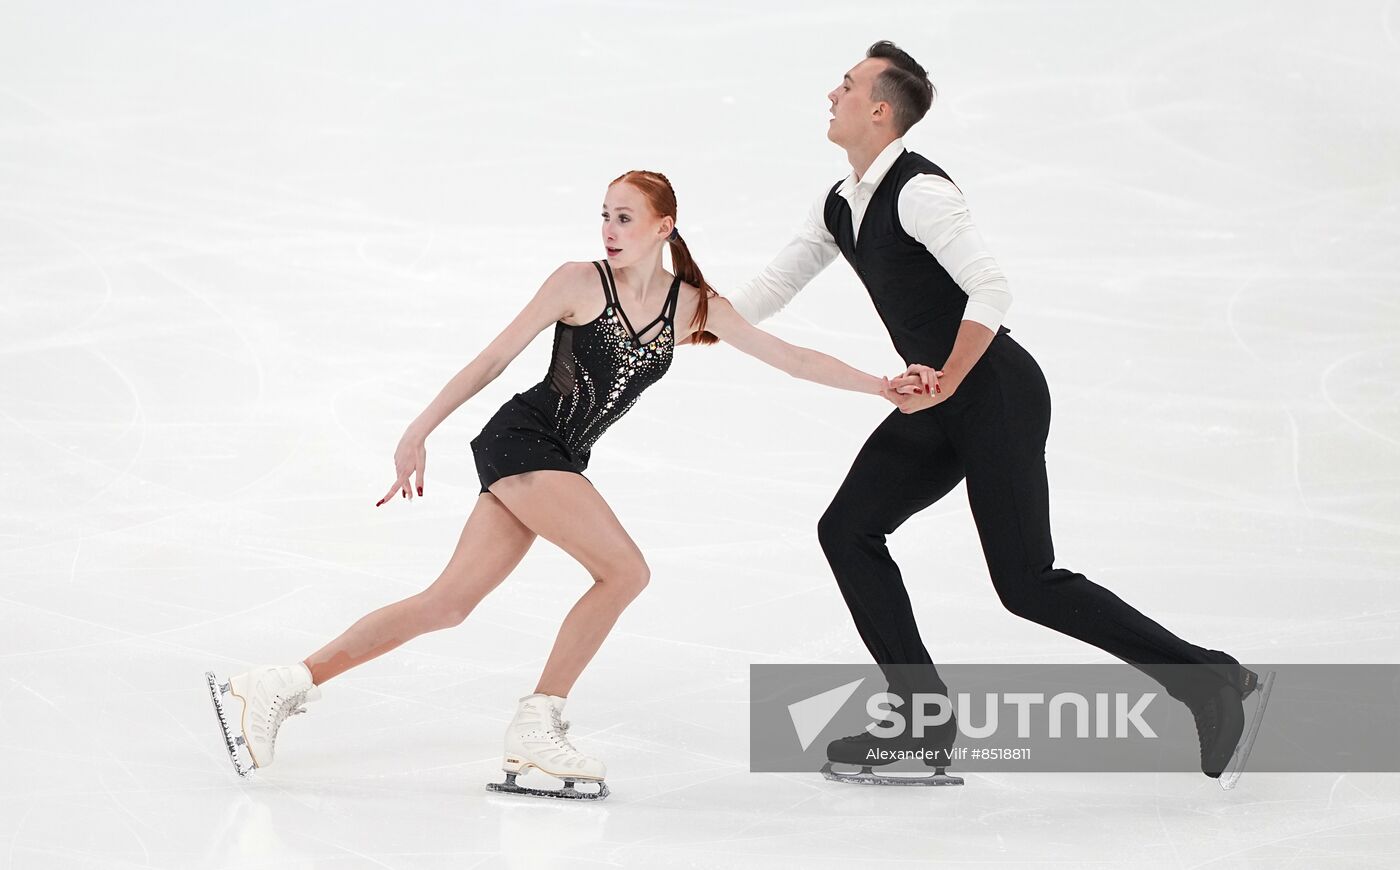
column 991, row 432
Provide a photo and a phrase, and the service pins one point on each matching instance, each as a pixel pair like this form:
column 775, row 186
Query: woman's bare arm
column 800, row 362
column 551, row 302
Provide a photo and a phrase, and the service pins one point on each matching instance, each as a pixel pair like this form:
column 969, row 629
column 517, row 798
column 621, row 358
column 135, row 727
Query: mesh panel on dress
column 561, row 369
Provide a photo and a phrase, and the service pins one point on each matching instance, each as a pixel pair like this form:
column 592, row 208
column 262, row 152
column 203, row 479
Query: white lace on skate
column 538, row 737
column 559, row 733
column 275, row 695
column 564, row 754
column 282, row 709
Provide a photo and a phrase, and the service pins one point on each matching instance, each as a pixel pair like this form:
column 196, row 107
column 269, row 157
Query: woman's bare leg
column 565, row 509
column 492, row 543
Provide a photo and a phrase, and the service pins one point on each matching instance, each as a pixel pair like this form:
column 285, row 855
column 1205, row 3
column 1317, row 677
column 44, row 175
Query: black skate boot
column 1221, row 730
column 866, row 750
column 1219, row 726
column 1245, row 681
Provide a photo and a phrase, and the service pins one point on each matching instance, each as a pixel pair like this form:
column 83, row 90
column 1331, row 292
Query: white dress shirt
column 931, row 210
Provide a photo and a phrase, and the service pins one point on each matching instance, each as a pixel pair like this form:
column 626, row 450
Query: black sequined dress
column 598, row 371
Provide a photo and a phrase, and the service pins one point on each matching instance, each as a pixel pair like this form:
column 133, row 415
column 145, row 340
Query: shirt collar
column 876, row 173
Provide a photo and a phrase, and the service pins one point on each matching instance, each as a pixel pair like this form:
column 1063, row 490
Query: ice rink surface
column 242, row 247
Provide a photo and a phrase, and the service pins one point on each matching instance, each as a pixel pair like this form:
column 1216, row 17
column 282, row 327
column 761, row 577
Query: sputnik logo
column 811, row 715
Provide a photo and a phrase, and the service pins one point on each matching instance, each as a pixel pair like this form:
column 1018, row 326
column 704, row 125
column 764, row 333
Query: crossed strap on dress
column 668, row 308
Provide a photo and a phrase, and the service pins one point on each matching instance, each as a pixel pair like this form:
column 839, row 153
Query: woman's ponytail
column 689, row 272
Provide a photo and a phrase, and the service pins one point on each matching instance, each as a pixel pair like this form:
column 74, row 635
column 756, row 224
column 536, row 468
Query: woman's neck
column 642, row 280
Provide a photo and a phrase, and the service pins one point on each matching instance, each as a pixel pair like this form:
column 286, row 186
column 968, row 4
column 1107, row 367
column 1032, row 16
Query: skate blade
column 237, row 751
column 867, row 777
column 1235, row 768
column 568, row 792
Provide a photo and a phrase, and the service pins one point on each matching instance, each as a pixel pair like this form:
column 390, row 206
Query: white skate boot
column 536, row 738
column 252, row 706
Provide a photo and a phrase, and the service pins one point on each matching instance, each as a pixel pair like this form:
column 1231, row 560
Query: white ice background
column 242, row 245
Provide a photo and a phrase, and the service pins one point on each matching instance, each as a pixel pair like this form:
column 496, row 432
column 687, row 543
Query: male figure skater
column 983, row 416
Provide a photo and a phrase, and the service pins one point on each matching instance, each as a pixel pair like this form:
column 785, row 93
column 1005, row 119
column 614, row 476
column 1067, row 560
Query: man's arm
column 811, row 250
column 933, row 210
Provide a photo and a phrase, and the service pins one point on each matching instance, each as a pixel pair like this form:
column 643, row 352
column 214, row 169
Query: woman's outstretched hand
column 411, row 457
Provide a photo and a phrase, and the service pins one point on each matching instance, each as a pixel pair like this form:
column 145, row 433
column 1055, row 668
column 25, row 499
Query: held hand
column 929, row 377
column 909, row 393
column 909, row 402
column 907, row 383
column 410, row 457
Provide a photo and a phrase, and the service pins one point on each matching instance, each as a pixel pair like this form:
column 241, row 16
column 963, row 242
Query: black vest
column 919, row 302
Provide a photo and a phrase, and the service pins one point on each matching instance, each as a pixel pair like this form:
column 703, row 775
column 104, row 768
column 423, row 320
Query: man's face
column 852, row 110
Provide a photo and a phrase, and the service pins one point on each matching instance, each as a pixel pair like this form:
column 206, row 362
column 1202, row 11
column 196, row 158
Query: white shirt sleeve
column 933, row 210
column 800, row 260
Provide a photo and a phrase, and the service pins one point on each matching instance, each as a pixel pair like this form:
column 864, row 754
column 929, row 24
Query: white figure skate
column 536, row 738
column 252, row 706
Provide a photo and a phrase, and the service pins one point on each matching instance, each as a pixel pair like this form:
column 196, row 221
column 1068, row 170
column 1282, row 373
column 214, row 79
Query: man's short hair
column 903, row 84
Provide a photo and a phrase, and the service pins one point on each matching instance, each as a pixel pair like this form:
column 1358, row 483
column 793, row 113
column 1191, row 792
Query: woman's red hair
column 662, row 199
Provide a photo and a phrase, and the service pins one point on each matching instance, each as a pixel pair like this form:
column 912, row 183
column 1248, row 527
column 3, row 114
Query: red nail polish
column 378, row 503
column 420, row 490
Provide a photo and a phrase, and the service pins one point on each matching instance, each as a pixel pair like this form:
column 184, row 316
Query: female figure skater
column 530, row 457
